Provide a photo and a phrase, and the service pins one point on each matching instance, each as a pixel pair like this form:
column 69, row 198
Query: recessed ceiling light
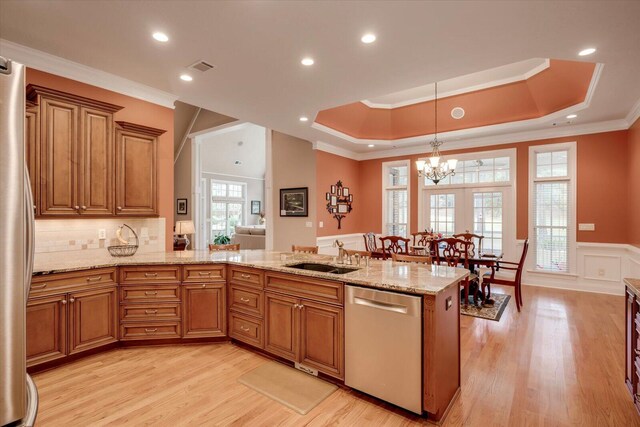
column 161, row 37
column 304, row 119
column 586, row 52
column 370, row 145
column 186, row 77
column 572, row 116
column 368, row 38
column 307, row 61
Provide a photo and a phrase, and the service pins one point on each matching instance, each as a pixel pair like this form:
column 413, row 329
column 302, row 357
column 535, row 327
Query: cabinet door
column 46, row 329
column 321, row 338
column 96, row 178
column 204, row 311
column 281, row 322
column 93, row 318
column 630, row 342
column 32, row 148
column 136, row 174
column 59, row 158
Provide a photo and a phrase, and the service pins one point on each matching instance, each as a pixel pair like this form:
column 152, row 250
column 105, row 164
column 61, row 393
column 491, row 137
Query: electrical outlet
column 309, row 224
column 102, row 234
column 587, row 227
column 601, row 272
column 321, row 224
column 144, row 232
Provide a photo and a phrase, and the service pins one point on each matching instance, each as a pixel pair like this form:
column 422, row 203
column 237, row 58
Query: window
column 487, row 220
column 396, row 198
column 477, row 171
column 552, row 207
column 227, row 206
column 443, row 213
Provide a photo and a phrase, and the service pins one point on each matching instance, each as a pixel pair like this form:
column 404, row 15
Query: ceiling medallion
column 434, row 169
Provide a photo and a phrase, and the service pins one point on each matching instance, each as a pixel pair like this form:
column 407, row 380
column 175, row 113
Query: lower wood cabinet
column 304, row 331
column 247, row 329
column 70, row 323
column 204, row 310
column 631, row 338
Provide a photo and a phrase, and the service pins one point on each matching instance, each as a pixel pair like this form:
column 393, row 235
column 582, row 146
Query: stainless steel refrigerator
column 18, row 394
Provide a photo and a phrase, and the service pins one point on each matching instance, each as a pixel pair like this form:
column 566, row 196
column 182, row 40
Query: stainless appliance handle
column 32, row 404
column 30, row 234
column 381, row 305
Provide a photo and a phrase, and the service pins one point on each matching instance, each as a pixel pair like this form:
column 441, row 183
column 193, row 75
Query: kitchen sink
column 324, row 268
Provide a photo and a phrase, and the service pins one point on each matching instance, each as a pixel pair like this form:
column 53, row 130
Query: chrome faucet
column 340, row 245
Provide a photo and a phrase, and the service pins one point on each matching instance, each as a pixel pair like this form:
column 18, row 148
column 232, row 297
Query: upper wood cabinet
column 32, row 149
column 72, row 150
column 136, row 169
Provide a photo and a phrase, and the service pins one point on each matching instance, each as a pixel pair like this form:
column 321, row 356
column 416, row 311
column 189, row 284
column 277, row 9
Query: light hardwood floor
column 559, row 362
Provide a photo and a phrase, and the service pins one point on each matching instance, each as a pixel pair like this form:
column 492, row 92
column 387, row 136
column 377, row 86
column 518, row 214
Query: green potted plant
column 221, row 239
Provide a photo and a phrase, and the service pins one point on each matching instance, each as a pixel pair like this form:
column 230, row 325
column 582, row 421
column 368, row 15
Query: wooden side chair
column 304, row 249
column 424, row 239
column 455, row 253
column 352, row 252
column 471, row 237
column 216, row 248
column 420, row 259
column 514, row 280
column 394, row 244
column 370, row 245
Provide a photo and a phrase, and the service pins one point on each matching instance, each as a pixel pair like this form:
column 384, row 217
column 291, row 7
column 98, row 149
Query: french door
column 487, row 211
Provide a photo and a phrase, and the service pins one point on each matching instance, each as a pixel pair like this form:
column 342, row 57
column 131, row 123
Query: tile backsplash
column 83, row 234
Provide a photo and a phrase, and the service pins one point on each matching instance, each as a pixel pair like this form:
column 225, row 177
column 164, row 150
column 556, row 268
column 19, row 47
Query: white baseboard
column 351, row 241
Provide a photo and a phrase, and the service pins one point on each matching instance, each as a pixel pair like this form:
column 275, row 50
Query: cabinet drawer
column 168, row 311
column 63, row 282
column 204, row 273
column 246, row 329
column 306, row 287
column 150, row 274
column 149, row 330
column 246, row 299
column 246, row 276
column 150, row 293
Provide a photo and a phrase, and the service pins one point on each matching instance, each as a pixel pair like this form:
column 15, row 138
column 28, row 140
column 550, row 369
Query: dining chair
column 454, row 252
column 232, row 247
column 468, row 236
column 424, row 239
column 352, row 252
column 396, row 244
column 420, row 259
column 371, row 246
column 304, row 249
column 498, row 277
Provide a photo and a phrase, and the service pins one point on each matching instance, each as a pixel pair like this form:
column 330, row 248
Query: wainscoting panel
column 351, row 241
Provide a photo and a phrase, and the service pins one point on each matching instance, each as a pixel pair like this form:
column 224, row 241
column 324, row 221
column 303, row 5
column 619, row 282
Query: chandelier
column 434, row 169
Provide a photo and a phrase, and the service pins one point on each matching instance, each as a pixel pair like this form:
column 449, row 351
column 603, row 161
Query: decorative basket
column 124, row 250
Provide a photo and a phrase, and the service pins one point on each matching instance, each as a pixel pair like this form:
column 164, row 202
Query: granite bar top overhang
column 634, row 285
column 389, row 275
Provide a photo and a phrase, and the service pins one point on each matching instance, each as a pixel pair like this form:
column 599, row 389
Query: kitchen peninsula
column 86, row 304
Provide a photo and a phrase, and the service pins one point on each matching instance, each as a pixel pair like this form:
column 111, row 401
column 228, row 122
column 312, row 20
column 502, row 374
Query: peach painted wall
column 634, row 183
column 329, row 170
column 601, row 185
column 134, row 111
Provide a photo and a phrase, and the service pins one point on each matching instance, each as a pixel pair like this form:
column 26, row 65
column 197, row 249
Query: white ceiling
column 244, row 142
column 257, row 47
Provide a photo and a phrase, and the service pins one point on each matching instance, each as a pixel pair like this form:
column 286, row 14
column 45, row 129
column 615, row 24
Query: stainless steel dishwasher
column 383, row 346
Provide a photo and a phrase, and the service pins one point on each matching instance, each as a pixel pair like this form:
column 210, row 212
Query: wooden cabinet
column 136, row 170
column 93, row 318
column 304, row 331
column 32, row 150
column 72, row 144
column 204, row 310
column 630, row 342
column 46, row 331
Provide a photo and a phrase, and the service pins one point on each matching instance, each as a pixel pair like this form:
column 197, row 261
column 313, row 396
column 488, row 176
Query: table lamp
column 184, row 228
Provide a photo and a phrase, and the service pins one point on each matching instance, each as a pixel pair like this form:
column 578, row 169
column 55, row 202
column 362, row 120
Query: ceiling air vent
column 200, row 66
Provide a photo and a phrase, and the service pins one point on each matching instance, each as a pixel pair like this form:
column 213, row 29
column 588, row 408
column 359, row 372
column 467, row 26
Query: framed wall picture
column 181, row 207
column 343, row 208
column 255, row 207
column 294, row 201
column 345, row 191
column 334, row 200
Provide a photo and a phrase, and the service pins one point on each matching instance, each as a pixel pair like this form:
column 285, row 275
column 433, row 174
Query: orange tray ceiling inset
column 561, row 85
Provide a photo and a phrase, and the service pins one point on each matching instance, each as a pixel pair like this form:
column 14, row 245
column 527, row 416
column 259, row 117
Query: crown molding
column 34, row 91
column 508, row 80
column 136, row 128
column 485, row 141
column 634, row 114
column 46, row 62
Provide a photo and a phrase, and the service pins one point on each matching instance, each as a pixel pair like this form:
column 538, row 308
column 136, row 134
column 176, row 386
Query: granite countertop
column 404, row 277
column 634, row 284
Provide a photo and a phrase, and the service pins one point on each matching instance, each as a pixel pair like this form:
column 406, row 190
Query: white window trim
column 227, row 199
column 386, row 165
column 572, row 169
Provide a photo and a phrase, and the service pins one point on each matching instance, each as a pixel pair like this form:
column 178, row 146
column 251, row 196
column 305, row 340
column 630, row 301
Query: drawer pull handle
column 150, row 274
column 204, row 273
column 245, row 276
column 72, row 299
column 151, row 330
column 64, row 301
column 204, row 286
column 34, row 287
column 244, row 328
column 244, row 299
column 151, row 293
column 94, row 279
column 151, row 311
